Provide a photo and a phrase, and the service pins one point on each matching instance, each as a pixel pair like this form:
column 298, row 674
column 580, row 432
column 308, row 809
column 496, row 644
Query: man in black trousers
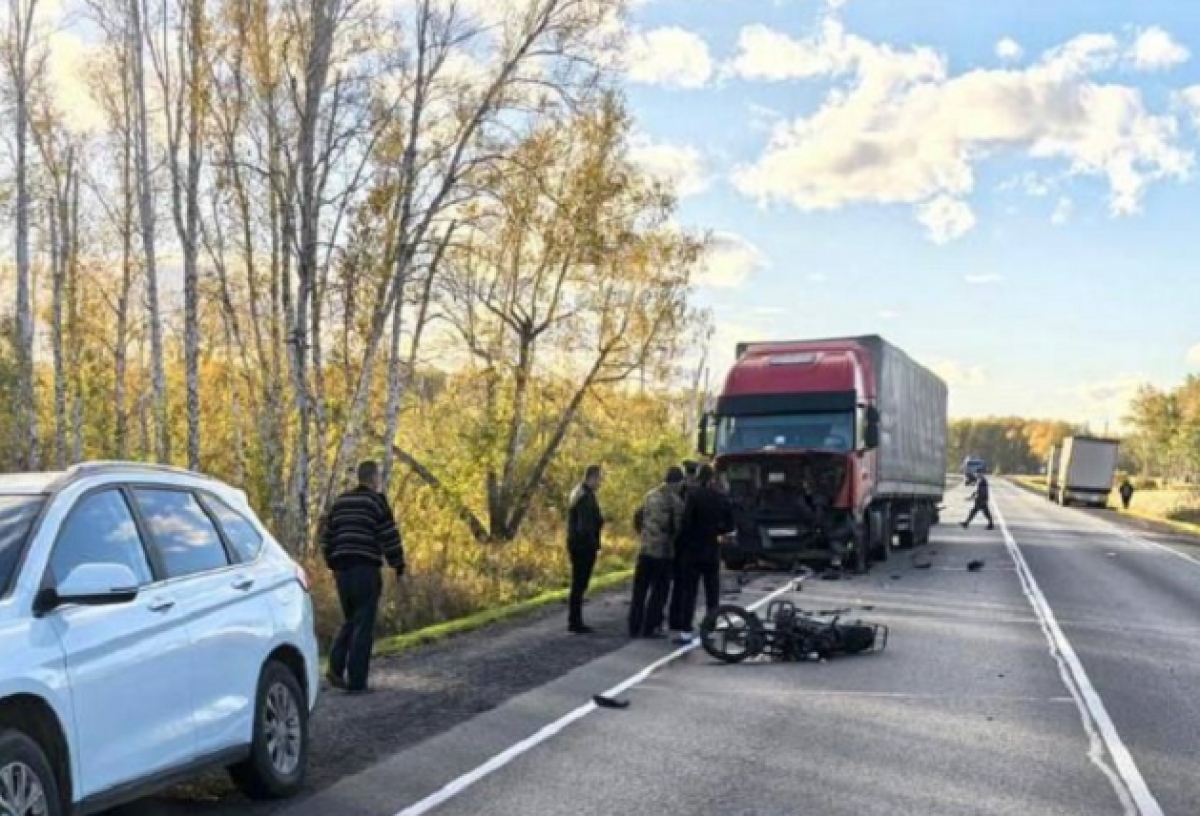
column 981, row 496
column 358, row 535
column 660, row 515
column 707, row 517
column 584, row 525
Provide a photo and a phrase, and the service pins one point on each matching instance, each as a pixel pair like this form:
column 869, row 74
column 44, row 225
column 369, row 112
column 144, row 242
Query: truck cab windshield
column 827, row 432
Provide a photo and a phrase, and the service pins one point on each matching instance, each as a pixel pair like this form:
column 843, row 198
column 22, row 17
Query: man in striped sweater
column 358, row 536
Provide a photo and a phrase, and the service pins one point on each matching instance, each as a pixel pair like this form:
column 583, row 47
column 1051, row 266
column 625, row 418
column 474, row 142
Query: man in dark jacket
column 358, row 536
column 584, row 525
column 707, row 518
column 981, row 497
column 660, row 515
column 1126, row 491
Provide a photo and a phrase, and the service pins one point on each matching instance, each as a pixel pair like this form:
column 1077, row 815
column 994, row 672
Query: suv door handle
column 243, row 582
column 161, row 604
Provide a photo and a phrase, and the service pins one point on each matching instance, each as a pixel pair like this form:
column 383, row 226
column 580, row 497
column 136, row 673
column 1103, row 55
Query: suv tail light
column 302, row 577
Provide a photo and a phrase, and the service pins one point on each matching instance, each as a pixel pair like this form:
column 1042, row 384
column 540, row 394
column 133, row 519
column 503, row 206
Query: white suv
column 150, row 629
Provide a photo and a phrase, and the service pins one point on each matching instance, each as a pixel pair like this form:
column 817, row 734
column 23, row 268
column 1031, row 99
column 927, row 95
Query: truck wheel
column 907, row 539
column 736, row 563
column 859, row 560
column 880, row 536
column 28, row 786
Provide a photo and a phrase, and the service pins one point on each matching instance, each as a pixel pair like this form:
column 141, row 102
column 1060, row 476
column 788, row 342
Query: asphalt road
column 1062, row 678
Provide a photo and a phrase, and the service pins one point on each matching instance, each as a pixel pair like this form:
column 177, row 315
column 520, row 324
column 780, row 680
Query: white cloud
column 946, row 218
column 682, row 166
column 767, row 54
column 902, row 130
column 888, row 314
column 955, row 373
column 1193, row 356
column 1063, row 210
column 1156, row 50
column 984, row 279
column 1009, row 49
column 1105, row 402
column 1188, row 100
column 671, row 56
column 816, row 277
column 729, row 262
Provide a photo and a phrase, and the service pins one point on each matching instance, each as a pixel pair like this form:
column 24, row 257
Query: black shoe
column 990, row 527
column 335, row 681
column 356, row 692
column 964, row 525
column 580, row 630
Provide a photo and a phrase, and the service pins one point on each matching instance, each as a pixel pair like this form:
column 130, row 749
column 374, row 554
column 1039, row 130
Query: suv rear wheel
column 279, row 755
column 27, row 784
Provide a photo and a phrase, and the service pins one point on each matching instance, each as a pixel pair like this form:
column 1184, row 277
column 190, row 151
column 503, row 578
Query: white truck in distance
column 1086, row 469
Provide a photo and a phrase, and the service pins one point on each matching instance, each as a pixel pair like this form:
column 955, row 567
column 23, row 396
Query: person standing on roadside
column 707, row 519
column 662, row 510
column 1126, row 491
column 358, row 536
column 981, row 497
column 584, row 525
column 678, row 595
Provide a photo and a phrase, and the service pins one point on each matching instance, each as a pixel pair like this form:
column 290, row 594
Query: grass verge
column 1163, row 504
column 388, row 647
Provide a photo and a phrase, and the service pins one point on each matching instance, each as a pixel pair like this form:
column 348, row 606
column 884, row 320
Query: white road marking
column 457, row 786
column 1125, row 777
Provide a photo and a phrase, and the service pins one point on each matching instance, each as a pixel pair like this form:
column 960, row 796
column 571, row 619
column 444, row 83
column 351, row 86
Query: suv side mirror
column 91, row 585
column 871, row 431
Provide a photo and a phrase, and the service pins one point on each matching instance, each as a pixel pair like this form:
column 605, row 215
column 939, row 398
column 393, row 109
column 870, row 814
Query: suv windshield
column 16, row 516
column 832, row 432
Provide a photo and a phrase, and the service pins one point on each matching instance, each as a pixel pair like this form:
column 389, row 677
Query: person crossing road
column 981, row 497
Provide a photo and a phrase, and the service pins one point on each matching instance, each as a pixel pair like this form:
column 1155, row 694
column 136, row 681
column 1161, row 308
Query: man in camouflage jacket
column 658, row 525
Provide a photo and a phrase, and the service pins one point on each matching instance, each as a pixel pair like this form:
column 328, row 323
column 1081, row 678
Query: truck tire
column 736, row 563
column 880, row 535
column 858, row 559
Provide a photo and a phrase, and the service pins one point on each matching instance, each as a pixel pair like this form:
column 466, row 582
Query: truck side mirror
column 871, row 431
column 702, row 440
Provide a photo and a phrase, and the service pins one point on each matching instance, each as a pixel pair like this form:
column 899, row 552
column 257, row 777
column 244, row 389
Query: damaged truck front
column 832, row 450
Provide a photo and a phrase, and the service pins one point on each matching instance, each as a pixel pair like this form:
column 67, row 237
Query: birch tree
column 23, row 53
column 572, row 277
column 462, row 81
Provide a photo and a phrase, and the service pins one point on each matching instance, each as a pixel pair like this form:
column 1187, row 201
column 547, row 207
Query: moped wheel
column 732, row 634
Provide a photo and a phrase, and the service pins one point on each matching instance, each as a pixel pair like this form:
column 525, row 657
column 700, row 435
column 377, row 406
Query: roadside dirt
column 419, row 695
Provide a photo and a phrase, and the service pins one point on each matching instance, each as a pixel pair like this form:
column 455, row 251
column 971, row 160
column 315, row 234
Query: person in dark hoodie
column 584, row 525
column 707, row 518
column 358, row 535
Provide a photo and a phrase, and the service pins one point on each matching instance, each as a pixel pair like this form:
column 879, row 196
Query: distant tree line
column 1007, row 444
column 1165, row 431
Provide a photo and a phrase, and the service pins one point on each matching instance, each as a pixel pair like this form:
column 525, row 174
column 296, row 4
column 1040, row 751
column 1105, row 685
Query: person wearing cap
column 661, row 511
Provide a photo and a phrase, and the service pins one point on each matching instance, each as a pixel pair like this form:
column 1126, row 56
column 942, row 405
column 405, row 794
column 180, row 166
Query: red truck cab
column 831, row 450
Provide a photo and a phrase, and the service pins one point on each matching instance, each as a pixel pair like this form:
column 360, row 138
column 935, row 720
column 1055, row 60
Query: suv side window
column 239, row 531
column 181, row 530
column 100, row 530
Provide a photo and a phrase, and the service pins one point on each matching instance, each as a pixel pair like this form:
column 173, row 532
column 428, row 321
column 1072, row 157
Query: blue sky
column 1005, row 189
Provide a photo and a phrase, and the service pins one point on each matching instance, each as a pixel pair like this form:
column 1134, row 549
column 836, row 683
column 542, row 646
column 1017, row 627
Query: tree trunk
column 22, row 22
column 147, row 215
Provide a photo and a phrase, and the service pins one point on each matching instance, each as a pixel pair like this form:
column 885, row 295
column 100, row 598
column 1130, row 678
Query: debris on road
column 975, row 566
column 609, row 702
